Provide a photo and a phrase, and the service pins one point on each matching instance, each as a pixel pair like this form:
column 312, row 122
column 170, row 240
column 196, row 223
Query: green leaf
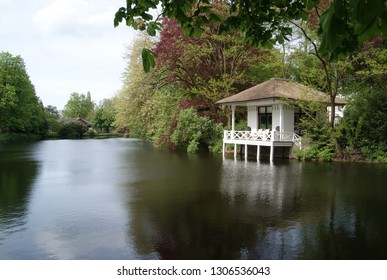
column 310, row 4
column 365, row 12
column 197, row 32
column 119, row 16
column 151, row 29
column 148, row 60
column 186, row 7
column 215, row 18
column 327, row 33
column 146, row 16
column 280, row 39
column 368, row 32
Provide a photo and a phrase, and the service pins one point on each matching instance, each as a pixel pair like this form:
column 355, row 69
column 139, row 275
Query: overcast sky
column 67, row 45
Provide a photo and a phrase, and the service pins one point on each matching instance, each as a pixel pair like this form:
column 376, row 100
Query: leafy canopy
column 343, row 26
column 104, row 115
column 213, row 66
column 79, row 105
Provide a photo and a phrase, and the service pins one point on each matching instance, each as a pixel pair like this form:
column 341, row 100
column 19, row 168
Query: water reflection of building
column 267, row 193
column 271, row 186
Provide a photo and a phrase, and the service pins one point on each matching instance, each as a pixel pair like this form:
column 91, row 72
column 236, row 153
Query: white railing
column 259, row 135
column 283, row 136
column 297, row 140
column 263, row 135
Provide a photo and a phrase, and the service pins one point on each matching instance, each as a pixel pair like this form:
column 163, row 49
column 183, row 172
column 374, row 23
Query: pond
column 117, row 199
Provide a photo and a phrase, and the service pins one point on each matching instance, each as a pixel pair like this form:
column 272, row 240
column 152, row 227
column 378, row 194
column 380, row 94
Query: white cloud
column 59, row 16
column 4, row 2
column 101, row 19
column 74, row 17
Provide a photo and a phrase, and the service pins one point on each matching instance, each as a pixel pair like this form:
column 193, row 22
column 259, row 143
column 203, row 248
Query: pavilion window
column 265, row 118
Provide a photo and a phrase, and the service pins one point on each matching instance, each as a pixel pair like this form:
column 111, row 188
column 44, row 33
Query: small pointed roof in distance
column 280, row 89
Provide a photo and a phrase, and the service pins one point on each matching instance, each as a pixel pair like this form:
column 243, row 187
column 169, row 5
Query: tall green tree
column 364, row 124
column 104, row 115
column 52, row 110
column 129, row 103
column 20, row 108
column 79, row 105
column 141, row 106
column 212, row 67
column 52, row 116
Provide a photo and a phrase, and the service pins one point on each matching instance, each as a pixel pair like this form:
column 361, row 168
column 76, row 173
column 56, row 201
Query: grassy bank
column 18, row 137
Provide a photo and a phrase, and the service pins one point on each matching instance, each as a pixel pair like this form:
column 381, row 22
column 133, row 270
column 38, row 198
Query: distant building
column 75, row 120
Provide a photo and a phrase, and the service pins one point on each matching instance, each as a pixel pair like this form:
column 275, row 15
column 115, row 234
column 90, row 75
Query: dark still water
column 115, row 199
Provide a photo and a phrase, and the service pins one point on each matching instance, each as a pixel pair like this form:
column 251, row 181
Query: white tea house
column 272, row 115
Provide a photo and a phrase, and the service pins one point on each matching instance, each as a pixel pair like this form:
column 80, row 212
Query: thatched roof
column 76, row 120
column 280, row 89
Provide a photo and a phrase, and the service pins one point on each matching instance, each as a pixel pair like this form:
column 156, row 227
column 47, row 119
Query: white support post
column 258, row 151
column 246, row 152
column 281, row 106
column 271, row 152
column 235, row 151
column 224, row 149
column 233, row 118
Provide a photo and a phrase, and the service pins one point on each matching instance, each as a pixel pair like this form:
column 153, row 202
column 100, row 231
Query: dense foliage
column 362, row 78
column 72, row 130
column 21, row 111
column 136, row 104
column 364, row 124
column 52, row 117
column 104, row 116
column 191, row 130
column 212, row 66
column 343, row 24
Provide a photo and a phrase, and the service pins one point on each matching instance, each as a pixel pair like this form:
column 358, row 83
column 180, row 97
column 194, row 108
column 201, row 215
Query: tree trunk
column 333, row 110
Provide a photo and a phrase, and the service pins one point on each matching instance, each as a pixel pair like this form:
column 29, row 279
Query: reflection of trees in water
column 198, row 227
column 17, row 173
column 201, row 208
column 353, row 225
column 178, row 212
